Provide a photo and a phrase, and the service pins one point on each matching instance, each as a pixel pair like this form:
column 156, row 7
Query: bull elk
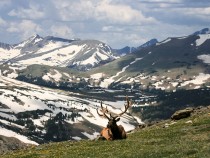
column 113, row 131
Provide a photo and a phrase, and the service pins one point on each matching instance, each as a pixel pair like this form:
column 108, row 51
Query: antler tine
column 129, row 103
column 114, row 117
column 104, row 111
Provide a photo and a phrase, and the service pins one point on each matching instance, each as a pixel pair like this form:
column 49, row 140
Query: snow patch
column 165, row 41
column 12, row 75
column 205, row 58
column 108, row 81
column 202, row 39
column 138, row 120
column 97, row 76
column 56, row 76
column 95, row 134
column 9, row 133
column 51, row 46
column 76, row 138
column 198, row 80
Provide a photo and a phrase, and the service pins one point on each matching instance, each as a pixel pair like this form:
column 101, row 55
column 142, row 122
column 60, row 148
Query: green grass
column 177, row 141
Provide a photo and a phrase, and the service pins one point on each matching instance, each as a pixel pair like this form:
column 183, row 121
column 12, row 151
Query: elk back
column 122, row 132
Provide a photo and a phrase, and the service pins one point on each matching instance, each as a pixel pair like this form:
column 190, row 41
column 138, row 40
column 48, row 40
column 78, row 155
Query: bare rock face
column 10, row 143
column 180, row 114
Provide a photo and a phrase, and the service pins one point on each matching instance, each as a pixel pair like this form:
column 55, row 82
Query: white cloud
column 119, row 39
column 205, row 11
column 165, row 1
column 25, row 28
column 103, row 10
column 112, row 29
column 116, row 22
column 62, row 31
column 134, row 39
column 74, row 10
column 33, row 12
column 138, row 35
column 120, row 13
column 2, row 22
column 191, row 13
column 197, row 11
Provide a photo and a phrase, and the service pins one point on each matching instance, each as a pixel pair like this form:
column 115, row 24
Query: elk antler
column 104, row 111
column 129, row 103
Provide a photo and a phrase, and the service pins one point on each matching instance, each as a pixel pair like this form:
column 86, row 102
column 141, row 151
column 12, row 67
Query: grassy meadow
column 185, row 138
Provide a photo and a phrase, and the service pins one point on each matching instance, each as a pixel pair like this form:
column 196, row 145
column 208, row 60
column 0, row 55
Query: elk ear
column 118, row 119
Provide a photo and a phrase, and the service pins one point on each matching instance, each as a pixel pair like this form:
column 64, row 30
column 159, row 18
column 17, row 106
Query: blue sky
column 116, row 22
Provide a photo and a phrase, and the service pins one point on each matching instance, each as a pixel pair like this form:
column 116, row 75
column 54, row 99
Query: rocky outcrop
column 10, row 143
column 180, row 114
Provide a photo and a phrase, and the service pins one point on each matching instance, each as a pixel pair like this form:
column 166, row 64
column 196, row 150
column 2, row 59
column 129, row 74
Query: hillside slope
column 175, row 63
column 38, row 114
column 188, row 137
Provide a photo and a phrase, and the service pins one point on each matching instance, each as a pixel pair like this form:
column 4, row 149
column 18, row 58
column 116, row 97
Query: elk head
column 118, row 131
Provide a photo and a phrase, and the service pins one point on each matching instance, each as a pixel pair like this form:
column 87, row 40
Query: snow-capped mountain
column 174, row 63
column 170, row 64
column 54, row 51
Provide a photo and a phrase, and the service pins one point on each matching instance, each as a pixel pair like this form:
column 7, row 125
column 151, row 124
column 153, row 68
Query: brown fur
column 122, row 132
column 107, row 133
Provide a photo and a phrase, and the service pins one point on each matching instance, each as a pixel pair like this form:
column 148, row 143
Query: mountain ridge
column 177, row 55
column 50, row 50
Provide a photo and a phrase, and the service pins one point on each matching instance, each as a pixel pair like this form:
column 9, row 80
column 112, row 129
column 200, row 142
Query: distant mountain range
column 126, row 50
column 176, row 62
column 179, row 59
column 81, row 55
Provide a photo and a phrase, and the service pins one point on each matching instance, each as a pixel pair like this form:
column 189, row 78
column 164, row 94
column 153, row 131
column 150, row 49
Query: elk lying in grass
column 113, row 131
column 106, row 133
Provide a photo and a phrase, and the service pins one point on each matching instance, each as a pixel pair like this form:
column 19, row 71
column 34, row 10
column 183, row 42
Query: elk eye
column 118, row 119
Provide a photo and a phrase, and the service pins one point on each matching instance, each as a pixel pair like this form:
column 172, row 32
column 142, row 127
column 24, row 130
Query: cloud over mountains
column 119, row 22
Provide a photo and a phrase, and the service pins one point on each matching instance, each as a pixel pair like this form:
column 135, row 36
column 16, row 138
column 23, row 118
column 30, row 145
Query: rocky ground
column 9, row 143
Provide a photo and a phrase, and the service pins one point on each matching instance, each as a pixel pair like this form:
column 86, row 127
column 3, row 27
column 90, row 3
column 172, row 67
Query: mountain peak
column 53, row 38
column 34, row 39
column 203, row 31
column 149, row 43
column 35, row 36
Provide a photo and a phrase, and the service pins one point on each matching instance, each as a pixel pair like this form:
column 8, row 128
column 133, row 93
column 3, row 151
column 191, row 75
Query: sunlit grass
column 178, row 140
